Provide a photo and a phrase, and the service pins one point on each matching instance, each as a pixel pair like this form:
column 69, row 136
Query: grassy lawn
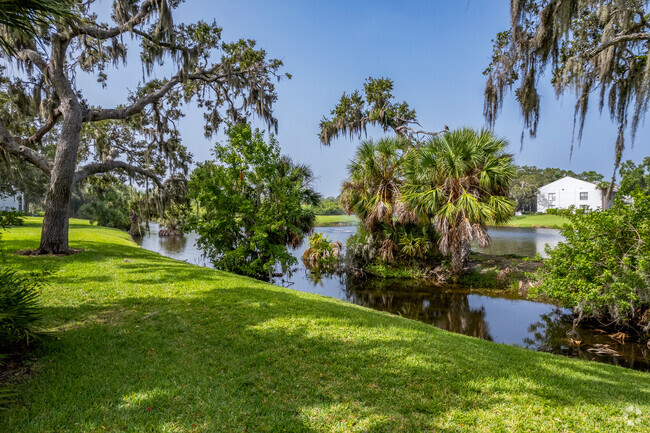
column 549, row 221
column 336, row 220
column 149, row 344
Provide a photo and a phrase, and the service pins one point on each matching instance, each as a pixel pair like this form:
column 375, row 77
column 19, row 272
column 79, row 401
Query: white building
column 569, row 191
column 11, row 203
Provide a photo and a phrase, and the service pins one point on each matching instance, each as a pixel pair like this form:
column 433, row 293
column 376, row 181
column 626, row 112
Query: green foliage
column 106, row 204
column 109, row 202
column 322, row 251
column 551, row 211
column 102, row 213
column 30, row 17
column 602, row 269
column 19, row 310
column 9, row 219
column 229, row 81
column 484, row 279
column 397, row 270
column 355, row 112
column 417, row 242
column 635, row 178
column 405, row 246
column 361, row 247
column 328, row 206
column 372, row 190
column 252, row 199
column 457, row 182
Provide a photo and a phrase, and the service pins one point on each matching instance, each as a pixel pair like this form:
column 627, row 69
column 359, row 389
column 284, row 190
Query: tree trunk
column 135, row 227
column 54, row 236
column 460, row 257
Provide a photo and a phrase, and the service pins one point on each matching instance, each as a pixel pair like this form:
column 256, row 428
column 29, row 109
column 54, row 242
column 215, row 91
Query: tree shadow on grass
column 265, row 359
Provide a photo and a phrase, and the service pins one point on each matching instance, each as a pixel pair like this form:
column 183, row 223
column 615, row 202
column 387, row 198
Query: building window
column 551, row 206
column 551, row 196
column 584, row 196
column 584, row 206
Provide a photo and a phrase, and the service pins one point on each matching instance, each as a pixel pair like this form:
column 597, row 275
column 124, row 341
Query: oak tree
column 229, row 81
column 594, row 48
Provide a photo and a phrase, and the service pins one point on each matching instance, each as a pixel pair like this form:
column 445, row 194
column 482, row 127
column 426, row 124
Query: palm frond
column 29, row 18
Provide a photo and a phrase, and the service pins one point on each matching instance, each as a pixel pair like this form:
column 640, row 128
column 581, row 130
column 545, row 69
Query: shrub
column 105, row 214
column 321, row 251
column 602, row 269
column 551, row 211
column 9, row 219
column 328, row 206
column 252, row 199
column 361, row 247
column 19, row 310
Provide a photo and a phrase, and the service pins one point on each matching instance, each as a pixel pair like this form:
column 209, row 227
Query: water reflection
column 553, row 333
column 448, row 310
column 533, row 325
column 177, row 247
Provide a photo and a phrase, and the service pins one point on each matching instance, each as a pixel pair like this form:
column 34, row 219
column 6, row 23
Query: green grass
column 548, row 221
column 149, row 344
column 336, row 220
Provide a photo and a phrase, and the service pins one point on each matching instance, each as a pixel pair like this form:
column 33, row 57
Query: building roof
column 593, row 184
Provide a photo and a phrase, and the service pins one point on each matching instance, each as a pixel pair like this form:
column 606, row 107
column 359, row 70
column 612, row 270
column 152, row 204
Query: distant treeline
column 328, row 206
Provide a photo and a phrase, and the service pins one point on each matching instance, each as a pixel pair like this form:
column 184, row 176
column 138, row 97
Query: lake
column 504, row 319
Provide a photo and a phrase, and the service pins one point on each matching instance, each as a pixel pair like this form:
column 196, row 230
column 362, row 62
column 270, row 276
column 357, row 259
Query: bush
column 252, row 199
column 551, row 211
column 105, row 214
column 361, row 247
column 328, row 206
column 10, row 219
column 602, row 269
column 321, row 251
column 19, row 310
column 409, row 246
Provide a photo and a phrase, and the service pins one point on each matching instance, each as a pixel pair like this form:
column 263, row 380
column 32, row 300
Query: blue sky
column 435, row 51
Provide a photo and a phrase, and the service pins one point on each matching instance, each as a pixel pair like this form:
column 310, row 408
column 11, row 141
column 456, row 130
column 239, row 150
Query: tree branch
column 51, row 121
column 616, row 40
column 99, row 33
column 96, row 115
column 412, row 131
column 34, row 57
column 9, row 143
column 106, row 166
column 163, row 44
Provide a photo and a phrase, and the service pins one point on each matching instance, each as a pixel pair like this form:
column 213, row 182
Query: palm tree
column 459, row 182
column 27, row 17
column 297, row 179
column 372, row 191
